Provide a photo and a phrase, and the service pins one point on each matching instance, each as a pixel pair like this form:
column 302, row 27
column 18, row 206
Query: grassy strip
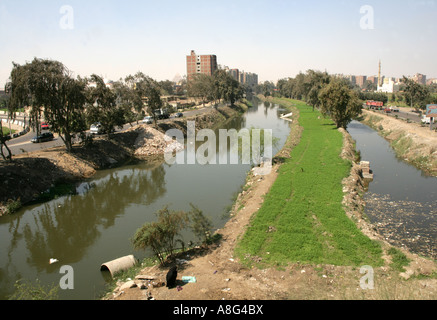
column 302, row 218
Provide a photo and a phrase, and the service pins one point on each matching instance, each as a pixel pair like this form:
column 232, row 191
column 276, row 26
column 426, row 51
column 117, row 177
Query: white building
column 388, row 86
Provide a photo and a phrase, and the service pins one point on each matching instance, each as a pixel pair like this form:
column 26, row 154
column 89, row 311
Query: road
column 414, row 117
column 22, row 144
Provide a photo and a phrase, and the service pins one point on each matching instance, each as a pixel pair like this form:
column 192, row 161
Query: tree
column 51, row 90
column 202, row 86
column 161, row 236
column 154, row 102
column 314, row 82
column 416, row 94
column 339, row 102
column 227, row 87
column 102, row 106
column 146, row 92
column 3, row 139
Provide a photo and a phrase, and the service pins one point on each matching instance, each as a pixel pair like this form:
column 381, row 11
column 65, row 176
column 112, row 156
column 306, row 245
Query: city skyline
column 274, row 39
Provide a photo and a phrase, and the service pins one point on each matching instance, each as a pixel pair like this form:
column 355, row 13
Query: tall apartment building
column 419, row 78
column 360, row 81
column 251, row 79
column 235, row 73
column 201, row 64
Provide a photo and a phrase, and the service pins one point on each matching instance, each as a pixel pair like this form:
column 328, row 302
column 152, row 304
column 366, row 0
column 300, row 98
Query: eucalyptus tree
column 49, row 88
column 416, row 94
column 101, row 105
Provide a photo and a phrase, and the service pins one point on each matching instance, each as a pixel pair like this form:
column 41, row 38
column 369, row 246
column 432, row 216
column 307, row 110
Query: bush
column 161, row 236
column 13, row 206
column 37, row 291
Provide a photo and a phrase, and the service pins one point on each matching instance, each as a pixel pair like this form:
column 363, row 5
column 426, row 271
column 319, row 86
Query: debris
column 145, row 277
column 189, row 279
column 128, row 285
column 52, row 261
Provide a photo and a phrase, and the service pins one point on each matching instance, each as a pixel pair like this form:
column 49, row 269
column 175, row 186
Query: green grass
column 399, row 259
column 305, row 206
column 6, row 131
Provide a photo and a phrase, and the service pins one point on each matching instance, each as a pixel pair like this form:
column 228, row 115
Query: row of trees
column 220, row 85
column 335, row 97
column 70, row 104
column 339, row 98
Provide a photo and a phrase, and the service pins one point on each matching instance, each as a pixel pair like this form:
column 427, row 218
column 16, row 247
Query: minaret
column 379, row 75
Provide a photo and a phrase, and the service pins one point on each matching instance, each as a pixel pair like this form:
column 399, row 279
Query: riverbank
column 412, row 142
column 35, row 176
column 221, row 273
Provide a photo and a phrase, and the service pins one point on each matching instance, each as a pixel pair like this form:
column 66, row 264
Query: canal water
column 96, row 225
column 401, row 201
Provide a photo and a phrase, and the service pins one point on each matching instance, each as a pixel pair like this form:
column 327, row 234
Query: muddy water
column 95, row 225
column 401, row 201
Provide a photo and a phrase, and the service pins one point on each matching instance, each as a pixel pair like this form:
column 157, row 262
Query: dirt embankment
column 31, row 175
column 411, row 142
column 219, row 275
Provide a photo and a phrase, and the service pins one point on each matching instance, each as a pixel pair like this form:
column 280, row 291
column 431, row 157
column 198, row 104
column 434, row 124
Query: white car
column 427, row 120
column 96, row 128
column 148, row 120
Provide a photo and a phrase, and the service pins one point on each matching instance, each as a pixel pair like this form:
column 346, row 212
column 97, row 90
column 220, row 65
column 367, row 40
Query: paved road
column 22, row 144
column 404, row 115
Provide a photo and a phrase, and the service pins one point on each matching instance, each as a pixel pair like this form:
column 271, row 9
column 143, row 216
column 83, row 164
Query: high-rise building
column 201, row 64
column 373, row 79
column 361, row 81
column 419, row 78
column 235, row 73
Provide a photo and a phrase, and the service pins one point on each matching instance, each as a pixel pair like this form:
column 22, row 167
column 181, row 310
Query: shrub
column 28, row 291
column 161, row 236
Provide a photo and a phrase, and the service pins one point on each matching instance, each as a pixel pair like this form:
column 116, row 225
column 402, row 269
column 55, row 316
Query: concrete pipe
column 118, row 265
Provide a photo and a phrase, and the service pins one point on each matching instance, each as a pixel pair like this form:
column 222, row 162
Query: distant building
column 419, row 78
column 388, row 86
column 373, row 79
column 361, row 81
column 248, row 78
column 431, row 81
column 201, row 64
column 235, row 73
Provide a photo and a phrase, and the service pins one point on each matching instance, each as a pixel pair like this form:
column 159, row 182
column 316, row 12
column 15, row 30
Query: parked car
column 179, row 115
column 45, row 126
column 427, row 120
column 148, row 120
column 394, row 109
column 96, row 128
column 387, row 110
column 44, row 137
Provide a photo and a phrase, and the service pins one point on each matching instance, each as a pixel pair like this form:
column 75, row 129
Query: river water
column 95, row 226
column 402, row 200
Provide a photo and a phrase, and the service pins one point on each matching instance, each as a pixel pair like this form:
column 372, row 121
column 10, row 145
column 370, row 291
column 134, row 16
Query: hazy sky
column 275, row 39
